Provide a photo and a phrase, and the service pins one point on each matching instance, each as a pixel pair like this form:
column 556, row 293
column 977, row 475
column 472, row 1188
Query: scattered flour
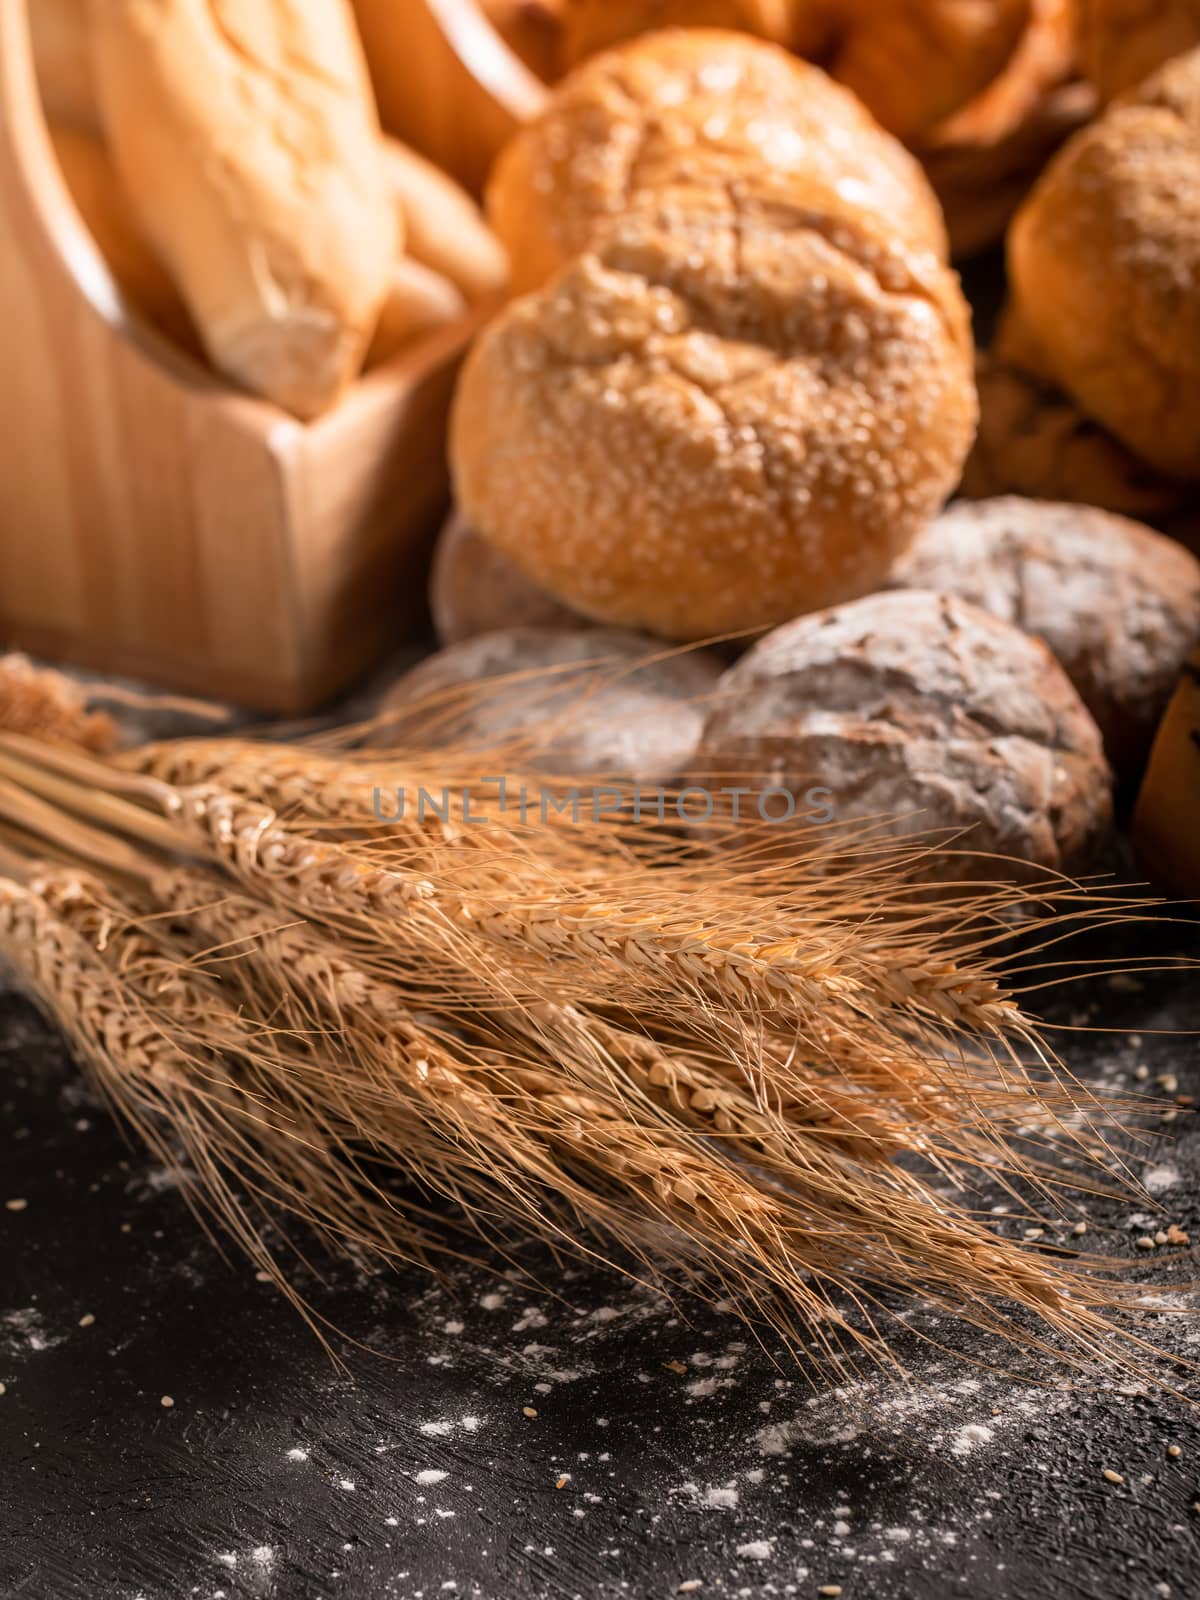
column 1161, row 1178
column 431, row 1475
column 720, row 1499
column 970, row 1437
column 757, row 1550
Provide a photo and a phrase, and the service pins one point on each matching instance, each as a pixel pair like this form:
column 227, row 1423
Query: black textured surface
column 688, row 1452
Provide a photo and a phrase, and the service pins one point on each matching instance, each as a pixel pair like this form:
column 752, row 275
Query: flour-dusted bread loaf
column 1124, row 41
column 923, row 710
column 442, row 226
column 1105, row 269
column 474, row 589
column 246, row 137
column 701, row 109
column 1166, row 824
column 1118, row 604
column 593, row 703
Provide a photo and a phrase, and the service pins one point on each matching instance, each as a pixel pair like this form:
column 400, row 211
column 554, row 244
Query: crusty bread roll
column 62, row 58
column 573, row 702
column 1105, row 269
column 474, row 589
column 727, row 414
column 247, row 141
column 696, row 108
column 443, row 228
column 97, row 193
column 418, row 301
column 923, row 711
column 750, row 383
column 1118, row 604
column 1124, row 41
column 1166, row 823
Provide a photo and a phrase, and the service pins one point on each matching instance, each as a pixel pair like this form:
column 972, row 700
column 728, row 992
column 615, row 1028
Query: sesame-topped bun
column 696, row 108
column 739, row 407
column 1105, row 268
column 1124, row 41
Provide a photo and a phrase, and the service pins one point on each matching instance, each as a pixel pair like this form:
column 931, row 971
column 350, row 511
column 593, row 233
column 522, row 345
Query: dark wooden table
column 667, row 1448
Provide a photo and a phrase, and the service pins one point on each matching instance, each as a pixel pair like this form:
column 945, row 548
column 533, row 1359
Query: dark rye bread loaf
column 923, row 709
column 1118, row 604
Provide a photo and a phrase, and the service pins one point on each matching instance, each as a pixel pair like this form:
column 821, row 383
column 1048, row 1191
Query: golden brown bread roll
column 700, row 108
column 246, row 139
column 97, row 193
column 1124, row 41
column 62, row 59
column 726, row 414
column 443, row 228
column 1104, row 263
column 1166, row 824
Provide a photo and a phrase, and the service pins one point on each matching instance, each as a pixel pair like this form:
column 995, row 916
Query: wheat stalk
column 314, row 1007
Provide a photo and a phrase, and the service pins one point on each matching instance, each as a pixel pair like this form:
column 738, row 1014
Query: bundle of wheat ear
column 759, row 1078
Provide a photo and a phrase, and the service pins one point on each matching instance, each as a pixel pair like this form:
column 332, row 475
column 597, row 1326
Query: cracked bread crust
column 922, row 709
column 245, row 134
column 1104, row 263
column 1118, row 604
column 1124, row 41
column 691, row 109
column 733, row 412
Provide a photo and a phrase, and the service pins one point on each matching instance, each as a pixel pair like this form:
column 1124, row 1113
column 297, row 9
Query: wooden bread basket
column 158, row 523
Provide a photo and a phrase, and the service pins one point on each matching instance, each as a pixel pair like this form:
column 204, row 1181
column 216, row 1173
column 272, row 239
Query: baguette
column 443, row 227
column 419, row 300
column 100, row 201
column 249, row 147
